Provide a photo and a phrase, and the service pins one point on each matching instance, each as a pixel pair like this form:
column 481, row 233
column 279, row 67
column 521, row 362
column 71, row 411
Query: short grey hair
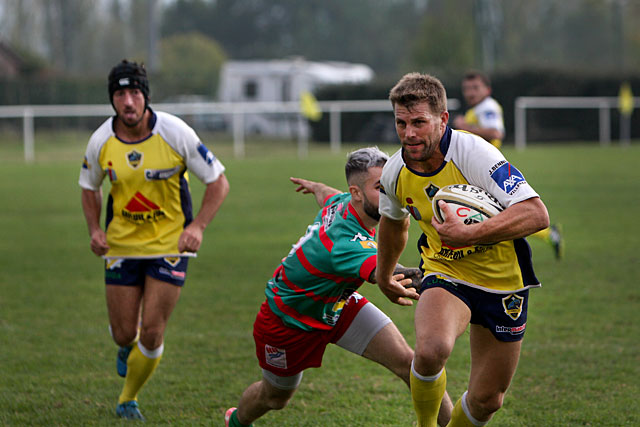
column 360, row 161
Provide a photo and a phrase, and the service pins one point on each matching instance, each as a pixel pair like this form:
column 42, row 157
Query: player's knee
column 486, row 403
column 151, row 336
column 276, row 400
column 123, row 336
column 432, row 354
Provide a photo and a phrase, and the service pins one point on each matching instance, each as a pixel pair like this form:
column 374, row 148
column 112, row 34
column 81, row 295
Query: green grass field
column 581, row 355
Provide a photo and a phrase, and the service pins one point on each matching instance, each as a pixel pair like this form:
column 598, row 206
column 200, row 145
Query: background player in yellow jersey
column 484, row 118
column 149, row 230
column 477, row 274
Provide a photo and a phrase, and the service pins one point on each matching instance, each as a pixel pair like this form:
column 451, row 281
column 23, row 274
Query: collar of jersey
column 445, row 141
column 152, row 123
column 352, row 210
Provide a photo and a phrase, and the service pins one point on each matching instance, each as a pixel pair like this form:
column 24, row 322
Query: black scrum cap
column 128, row 75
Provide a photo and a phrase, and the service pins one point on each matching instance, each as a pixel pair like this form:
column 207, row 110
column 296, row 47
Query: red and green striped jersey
column 335, row 256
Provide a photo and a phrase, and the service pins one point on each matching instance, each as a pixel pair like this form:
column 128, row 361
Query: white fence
column 237, row 110
column 603, row 104
column 334, row 108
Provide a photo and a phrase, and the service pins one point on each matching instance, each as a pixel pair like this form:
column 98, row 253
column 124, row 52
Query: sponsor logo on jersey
column 206, row 154
column 369, row 244
column 513, row 330
column 513, row 305
column 413, row 210
column 140, row 210
column 111, row 173
column 160, row 174
column 134, row 158
column 366, row 242
column 453, row 254
column 490, row 114
column 508, row 178
column 359, row 237
column 431, row 190
column 85, row 163
column 330, row 215
column 332, row 319
column 275, row 357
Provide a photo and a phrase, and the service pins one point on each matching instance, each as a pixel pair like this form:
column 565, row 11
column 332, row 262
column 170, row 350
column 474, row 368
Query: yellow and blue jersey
column 502, row 267
column 149, row 201
column 487, row 114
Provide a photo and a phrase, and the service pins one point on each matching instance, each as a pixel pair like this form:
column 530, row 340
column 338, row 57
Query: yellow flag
column 309, row 106
column 625, row 99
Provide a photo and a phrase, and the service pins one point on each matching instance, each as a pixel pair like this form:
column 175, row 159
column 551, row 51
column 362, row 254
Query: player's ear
column 356, row 193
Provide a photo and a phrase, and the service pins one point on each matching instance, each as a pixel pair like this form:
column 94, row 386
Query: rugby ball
column 470, row 203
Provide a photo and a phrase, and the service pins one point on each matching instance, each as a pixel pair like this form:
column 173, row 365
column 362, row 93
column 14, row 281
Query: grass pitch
column 581, row 354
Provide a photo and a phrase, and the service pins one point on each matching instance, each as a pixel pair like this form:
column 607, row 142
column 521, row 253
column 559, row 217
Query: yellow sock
column 543, row 234
column 427, row 393
column 459, row 418
column 140, row 366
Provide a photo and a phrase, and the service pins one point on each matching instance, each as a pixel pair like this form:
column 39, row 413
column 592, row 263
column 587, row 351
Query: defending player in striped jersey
column 149, row 229
column 477, row 274
column 312, row 299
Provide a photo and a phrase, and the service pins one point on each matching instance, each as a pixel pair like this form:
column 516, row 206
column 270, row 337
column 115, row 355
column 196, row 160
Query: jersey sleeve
column 199, row 159
column 485, row 166
column 489, row 115
column 389, row 205
column 91, row 172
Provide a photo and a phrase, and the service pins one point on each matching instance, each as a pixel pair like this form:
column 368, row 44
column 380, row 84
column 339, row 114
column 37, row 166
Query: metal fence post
column 27, row 129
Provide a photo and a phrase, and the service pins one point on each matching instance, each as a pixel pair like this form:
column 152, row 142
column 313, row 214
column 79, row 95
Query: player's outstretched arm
column 392, row 239
column 191, row 237
column 318, row 189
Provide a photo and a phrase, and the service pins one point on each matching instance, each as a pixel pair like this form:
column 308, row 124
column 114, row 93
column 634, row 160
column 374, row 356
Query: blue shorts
column 131, row 272
column 505, row 315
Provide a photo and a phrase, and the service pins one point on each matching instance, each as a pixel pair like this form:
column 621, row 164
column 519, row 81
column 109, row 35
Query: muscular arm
column 215, row 193
column 392, row 239
column 92, row 206
column 519, row 220
column 318, row 189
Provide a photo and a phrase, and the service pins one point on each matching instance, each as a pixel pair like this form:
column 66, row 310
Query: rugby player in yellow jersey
column 150, row 230
column 484, row 118
column 476, row 275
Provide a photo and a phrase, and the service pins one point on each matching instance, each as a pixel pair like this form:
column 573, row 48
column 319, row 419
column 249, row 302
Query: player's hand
column 99, row 244
column 453, row 232
column 412, row 274
column 190, row 239
column 399, row 291
column 304, row 185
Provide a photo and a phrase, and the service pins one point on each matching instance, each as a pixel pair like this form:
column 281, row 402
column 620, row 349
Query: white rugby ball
column 470, row 203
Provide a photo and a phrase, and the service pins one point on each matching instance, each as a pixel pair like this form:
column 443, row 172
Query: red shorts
column 287, row 351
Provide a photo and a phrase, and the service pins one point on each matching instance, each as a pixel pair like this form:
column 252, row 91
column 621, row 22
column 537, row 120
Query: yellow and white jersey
column 502, row 267
column 487, row 114
column 149, row 202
